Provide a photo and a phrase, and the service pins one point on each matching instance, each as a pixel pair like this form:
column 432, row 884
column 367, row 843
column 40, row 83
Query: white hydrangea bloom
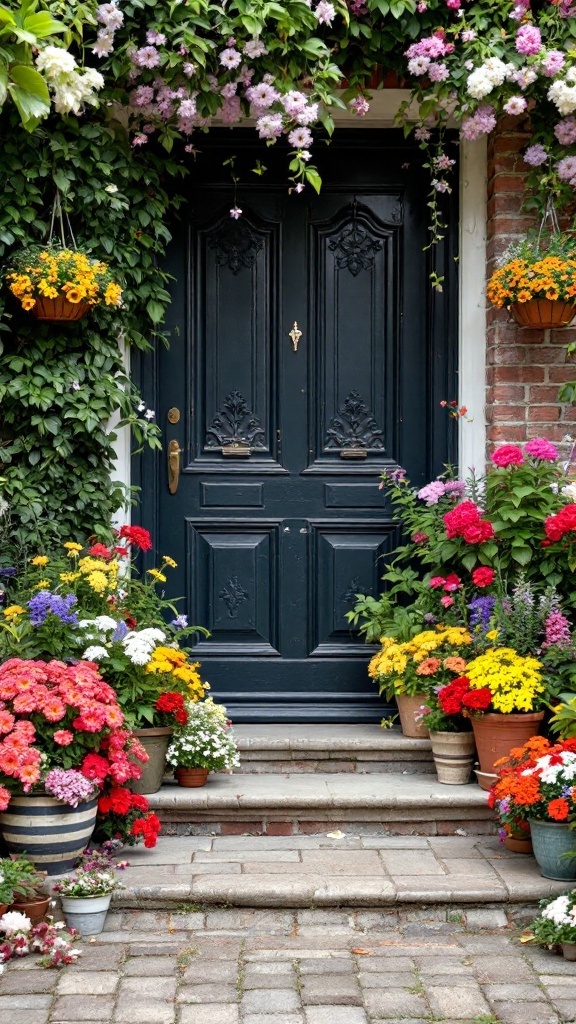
column 12, row 922
column 479, row 84
column 54, row 61
column 563, row 97
column 95, row 653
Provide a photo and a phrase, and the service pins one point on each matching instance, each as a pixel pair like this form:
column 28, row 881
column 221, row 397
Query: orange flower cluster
column 553, row 277
column 532, row 783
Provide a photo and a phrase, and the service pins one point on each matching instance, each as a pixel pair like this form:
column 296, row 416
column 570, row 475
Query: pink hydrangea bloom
column 541, row 448
column 528, row 40
column 565, row 131
column 535, row 155
column 508, row 455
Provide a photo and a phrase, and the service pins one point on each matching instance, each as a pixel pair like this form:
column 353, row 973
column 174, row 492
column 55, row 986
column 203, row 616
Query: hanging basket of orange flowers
column 536, row 280
column 59, row 285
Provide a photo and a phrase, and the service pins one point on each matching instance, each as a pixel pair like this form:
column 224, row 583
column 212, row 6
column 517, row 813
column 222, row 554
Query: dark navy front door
column 308, row 354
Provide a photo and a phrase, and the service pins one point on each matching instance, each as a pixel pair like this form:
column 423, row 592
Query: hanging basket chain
column 549, row 215
column 59, row 214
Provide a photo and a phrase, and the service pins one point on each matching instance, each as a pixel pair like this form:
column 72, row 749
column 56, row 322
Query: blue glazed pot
column 552, row 841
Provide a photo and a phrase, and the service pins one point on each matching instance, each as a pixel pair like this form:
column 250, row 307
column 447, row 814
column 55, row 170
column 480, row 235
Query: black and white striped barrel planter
column 48, row 831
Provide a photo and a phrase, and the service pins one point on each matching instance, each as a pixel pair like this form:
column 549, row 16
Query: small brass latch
column 236, row 449
column 353, row 453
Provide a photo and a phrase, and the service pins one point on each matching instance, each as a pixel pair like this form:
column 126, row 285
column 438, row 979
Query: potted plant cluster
column 536, row 786
column 56, row 718
column 205, row 743
column 556, row 924
column 408, row 669
column 58, row 284
column 494, row 558
column 70, row 743
column 536, row 280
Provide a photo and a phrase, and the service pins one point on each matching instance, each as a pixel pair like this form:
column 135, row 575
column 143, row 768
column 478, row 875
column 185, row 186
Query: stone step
column 308, row 804
column 400, row 874
column 330, row 748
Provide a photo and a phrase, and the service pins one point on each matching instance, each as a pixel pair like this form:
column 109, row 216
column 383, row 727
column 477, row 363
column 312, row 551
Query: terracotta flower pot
column 569, row 950
column 59, row 310
column 191, row 776
column 543, row 313
column 408, row 706
column 497, row 734
column 34, row 908
column 516, row 845
column 155, row 743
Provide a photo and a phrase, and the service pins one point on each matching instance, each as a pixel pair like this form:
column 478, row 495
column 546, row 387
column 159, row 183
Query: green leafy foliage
column 60, row 385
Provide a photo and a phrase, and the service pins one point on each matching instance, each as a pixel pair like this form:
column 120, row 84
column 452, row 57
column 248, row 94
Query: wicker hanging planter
column 543, row 314
column 59, row 310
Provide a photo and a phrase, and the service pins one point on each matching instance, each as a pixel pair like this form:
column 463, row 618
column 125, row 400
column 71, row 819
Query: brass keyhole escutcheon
column 173, row 415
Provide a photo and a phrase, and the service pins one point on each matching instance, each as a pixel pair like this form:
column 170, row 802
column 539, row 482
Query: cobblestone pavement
column 245, row 966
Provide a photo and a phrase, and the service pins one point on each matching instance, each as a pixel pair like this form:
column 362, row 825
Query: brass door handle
column 174, row 452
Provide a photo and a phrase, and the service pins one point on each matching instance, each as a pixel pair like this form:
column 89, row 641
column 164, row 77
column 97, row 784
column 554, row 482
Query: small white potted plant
column 85, row 895
column 556, row 924
column 205, row 743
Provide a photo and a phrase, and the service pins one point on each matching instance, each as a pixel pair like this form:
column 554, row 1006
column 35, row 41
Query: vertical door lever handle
column 174, row 452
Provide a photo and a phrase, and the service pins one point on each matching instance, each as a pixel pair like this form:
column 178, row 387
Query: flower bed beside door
column 494, row 558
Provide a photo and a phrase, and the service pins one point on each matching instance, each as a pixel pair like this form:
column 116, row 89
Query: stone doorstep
column 304, row 804
column 338, row 748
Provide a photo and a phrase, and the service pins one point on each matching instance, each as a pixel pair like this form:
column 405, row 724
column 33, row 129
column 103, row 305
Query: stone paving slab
column 345, row 870
column 248, row 966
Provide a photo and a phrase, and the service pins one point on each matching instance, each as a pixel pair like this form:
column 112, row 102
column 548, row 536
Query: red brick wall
column 525, row 368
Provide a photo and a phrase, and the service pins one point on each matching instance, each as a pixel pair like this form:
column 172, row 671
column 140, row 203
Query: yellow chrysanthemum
column 156, row 575
column 39, row 560
column 70, row 577
column 98, row 581
column 13, row 611
column 71, row 545
column 514, row 681
column 169, row 561
column 42, row 585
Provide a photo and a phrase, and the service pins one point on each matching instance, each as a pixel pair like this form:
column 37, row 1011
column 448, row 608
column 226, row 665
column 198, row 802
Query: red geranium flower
column 483, row 576
column 137, row 536
column 100, row 551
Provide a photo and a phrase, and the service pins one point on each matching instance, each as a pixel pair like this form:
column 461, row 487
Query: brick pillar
column 524, row 368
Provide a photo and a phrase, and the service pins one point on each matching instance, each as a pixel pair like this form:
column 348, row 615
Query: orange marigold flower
column 428, row 667
column 559, row 809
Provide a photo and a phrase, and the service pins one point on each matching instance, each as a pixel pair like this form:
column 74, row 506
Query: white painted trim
column 472, row 305
column 122, row 469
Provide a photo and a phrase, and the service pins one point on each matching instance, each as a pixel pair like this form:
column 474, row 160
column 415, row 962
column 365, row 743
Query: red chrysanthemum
column 478, row 700
column 137, row 536
column 483, row 576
